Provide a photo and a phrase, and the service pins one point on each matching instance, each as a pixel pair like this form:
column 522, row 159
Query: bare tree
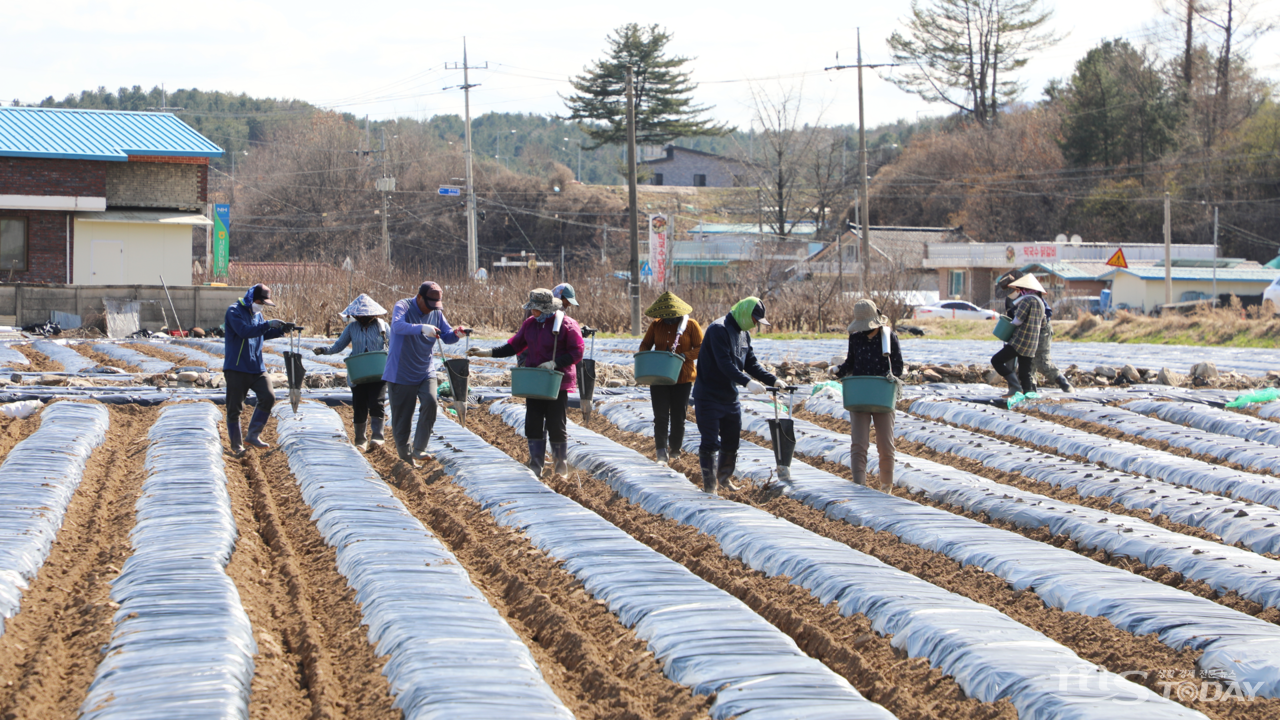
column 787, row 142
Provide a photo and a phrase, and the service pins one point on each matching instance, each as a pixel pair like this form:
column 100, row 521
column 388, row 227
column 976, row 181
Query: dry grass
column 1230, row 326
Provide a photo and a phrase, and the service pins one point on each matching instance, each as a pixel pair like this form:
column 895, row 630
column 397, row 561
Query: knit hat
column 564, row 291
column 866, row 316
column 363, row 306
column 542, row 300
column 1027, row 282
column 668, row 306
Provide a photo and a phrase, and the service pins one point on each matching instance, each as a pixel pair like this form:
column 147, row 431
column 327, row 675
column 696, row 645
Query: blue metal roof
column 97, row 134
column 1251, row 274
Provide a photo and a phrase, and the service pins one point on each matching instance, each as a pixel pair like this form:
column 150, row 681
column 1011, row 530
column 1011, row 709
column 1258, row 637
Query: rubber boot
column 724, row 471
column 1065, row 384
column 660, row 452
column 406, row 455
column 362, row 441
column 1015, row 387
column 256, row 425
column 674, row 452
column 233, row 434
column 560, row 455
column 375, row 431
column 707, row 462
column 537, row 456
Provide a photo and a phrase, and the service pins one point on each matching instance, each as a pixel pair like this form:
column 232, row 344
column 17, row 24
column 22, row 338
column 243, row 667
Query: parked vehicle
column 954, row 310
column 1189, row 301
column 1070, row 307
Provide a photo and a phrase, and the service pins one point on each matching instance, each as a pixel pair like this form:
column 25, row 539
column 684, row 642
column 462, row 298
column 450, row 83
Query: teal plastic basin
column 658, row 367
column 1003, row 329
column 869, row 393
column 535, row 383
column 366, row 367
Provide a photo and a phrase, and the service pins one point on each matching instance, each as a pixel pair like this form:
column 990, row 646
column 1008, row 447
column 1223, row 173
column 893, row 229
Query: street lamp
column 579, row 175
column 513, row 147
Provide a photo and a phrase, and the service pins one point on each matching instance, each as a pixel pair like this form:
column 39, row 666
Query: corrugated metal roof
column 802, row 228
column 97, row 134
column 1250, row 274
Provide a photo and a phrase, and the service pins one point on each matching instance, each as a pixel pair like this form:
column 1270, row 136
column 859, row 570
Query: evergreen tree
column 962, row 52
column 664, row 106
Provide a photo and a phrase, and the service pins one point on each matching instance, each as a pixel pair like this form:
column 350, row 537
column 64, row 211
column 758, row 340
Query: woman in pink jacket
column 545, row 348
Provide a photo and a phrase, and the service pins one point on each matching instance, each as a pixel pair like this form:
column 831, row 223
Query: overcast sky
column 387, row 59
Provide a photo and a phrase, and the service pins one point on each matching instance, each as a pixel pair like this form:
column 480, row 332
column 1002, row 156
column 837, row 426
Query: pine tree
column 664, row 107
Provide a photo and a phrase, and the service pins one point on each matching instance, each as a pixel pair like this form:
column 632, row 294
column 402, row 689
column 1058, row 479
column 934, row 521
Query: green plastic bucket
column 1003, row 329
column 869, row 393
column 366, row 367
column 658, row 367
column 535, row 383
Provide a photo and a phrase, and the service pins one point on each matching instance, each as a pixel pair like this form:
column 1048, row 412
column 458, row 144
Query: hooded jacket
column 245, row 331
column 726, row 358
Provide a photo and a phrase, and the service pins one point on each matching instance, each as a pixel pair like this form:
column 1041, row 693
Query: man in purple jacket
column 416, row 324
column 553, row 341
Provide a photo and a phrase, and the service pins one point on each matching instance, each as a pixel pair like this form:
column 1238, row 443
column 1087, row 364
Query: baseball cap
column 431, row 294
column 262, row 295
column 757, row 313
column 564, row 291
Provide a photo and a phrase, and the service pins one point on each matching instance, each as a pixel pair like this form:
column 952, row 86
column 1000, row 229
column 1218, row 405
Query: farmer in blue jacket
column 243, row 367
column 725, row 363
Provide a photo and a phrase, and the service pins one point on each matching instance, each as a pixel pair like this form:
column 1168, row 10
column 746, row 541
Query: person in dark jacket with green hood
column 725, row 363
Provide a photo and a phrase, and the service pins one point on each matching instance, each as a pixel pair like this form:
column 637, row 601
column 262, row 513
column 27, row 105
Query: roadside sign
column 450, row 190
column 1117, row 259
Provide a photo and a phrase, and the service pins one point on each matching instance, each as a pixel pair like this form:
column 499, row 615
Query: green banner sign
column 221, row 239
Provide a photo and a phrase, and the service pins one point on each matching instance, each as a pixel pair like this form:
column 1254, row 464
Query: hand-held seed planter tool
column 782, row 432
column 587, row 378
column 293, row 364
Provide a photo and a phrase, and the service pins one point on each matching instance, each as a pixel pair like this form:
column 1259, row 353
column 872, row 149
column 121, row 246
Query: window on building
column 13, row 245
column 956, row 281
column 699, row 180
column 657, row 178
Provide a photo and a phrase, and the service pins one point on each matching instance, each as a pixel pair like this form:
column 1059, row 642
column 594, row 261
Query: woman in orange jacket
column 672, row 329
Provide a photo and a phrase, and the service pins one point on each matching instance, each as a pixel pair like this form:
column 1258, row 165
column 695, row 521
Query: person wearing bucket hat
column 672, row 329
column 866, row 358
column 725, row 363
column 243, row 366
column 416, row 324
column 366, row 333
column 1015, row 362
column 537, row 338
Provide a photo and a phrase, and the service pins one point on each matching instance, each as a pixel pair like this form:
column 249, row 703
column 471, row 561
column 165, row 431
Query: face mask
column 671, row 321
column 543, row 317
column 257, row 307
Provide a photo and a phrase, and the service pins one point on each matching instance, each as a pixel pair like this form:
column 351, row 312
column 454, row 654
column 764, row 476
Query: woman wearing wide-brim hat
column 1028, row 316
column 537, row 340
column 672, row 329
column 866, row 357
column 368, row 333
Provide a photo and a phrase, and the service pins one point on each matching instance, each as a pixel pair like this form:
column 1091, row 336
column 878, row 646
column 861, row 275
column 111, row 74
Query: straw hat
column 542, row 300
column 1027, row 282
column 668, row 306
column 866, row 317
column 363, row 306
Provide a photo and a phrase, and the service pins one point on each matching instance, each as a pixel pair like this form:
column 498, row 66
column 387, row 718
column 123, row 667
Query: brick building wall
column 156, row 185
column 48, row 176
column 46, row 246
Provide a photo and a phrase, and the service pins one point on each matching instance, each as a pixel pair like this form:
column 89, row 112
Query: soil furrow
column 597, row 666
column 15, row 430
column 908, row 687
column 1092, row 638
column 158, row 352
column 103, row 359
column 50, row 650
column 36, row 360
column 305, row 603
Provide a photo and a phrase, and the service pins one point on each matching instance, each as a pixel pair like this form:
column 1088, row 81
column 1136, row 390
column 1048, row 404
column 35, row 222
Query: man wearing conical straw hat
column 673, row 330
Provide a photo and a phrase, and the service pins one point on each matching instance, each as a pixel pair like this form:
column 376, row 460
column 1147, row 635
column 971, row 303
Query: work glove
column 462, row 330
column 480, row 352
column 833, row 371
column 320, row 351
column 431, row 332
column 754, row 387
column 275, row 324
column 780, row 384
column 548, row 365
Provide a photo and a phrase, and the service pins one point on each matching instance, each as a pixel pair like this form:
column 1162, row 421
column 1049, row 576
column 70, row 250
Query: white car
column 1272, row 293
column 955, row 310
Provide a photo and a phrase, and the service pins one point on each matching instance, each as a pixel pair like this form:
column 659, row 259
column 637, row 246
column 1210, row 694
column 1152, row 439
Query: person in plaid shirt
column 1028, row 316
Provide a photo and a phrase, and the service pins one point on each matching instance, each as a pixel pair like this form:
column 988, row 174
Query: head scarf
column 742, row 312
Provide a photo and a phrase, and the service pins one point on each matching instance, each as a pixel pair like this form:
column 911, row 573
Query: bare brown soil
column 907, row 687
column 51, row 648
column 15, row 430
column 103, row 359
column 159, row 352
column 37, row 361
column 1094, row 639
column 595, row 664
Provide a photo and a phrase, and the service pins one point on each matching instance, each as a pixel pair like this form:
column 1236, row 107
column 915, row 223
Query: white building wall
column 131, row 253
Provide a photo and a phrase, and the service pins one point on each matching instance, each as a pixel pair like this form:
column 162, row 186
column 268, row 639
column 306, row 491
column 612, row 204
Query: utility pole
column 631, row 197
column 473, row 259
column 864, row 246
column 386, row 235
column 1168, row 254
column 1215, row 252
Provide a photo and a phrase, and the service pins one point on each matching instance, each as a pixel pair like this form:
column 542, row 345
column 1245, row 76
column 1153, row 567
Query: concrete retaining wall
column 196, row 305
